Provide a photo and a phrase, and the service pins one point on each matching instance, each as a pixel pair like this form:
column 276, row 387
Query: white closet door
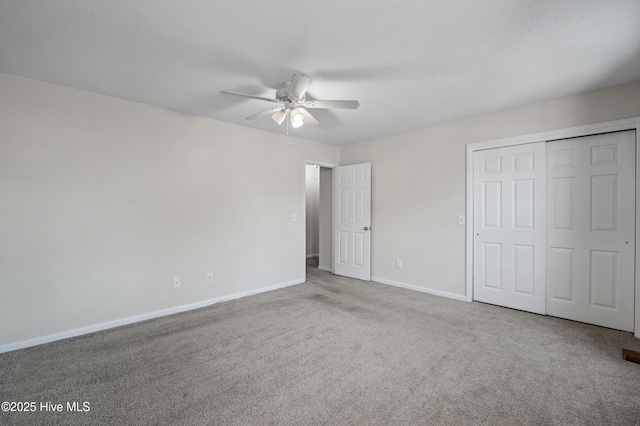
column 591, row 242
column 509, row 227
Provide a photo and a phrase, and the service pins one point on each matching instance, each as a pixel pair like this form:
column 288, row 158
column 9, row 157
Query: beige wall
column 103, row 201
column 418, row 182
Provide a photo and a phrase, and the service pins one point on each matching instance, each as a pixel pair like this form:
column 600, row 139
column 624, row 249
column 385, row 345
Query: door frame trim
column 632, row 123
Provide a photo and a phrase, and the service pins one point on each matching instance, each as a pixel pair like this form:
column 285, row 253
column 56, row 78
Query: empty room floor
column 332, row 351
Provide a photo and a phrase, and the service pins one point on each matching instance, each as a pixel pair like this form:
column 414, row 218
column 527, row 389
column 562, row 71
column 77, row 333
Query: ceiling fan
column 293, row 102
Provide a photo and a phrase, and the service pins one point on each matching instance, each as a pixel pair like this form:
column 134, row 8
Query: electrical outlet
column 460, row 219
column 176, row 282
column 210, row 277
column 398, row 263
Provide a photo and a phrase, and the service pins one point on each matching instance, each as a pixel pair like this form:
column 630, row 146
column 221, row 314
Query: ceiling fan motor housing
column 282, row 94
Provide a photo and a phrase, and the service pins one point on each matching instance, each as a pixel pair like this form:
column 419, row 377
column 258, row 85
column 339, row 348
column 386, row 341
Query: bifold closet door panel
column 591, row 237
column 509, row 227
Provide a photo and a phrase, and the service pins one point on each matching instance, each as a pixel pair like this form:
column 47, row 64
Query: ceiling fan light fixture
column 297, row 119
column 279, row 116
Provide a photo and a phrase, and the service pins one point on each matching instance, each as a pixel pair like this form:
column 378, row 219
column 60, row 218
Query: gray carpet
column 333, row 351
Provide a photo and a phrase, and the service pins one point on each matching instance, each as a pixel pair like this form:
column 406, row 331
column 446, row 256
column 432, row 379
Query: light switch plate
column 461, row 220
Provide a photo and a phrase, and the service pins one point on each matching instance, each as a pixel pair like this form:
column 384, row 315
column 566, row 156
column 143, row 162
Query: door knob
column 366, row 228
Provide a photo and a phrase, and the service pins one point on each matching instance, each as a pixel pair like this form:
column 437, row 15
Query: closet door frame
column 570, row 132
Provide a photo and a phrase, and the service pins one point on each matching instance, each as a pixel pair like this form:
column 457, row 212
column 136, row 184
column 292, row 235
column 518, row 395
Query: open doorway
column 318, row 219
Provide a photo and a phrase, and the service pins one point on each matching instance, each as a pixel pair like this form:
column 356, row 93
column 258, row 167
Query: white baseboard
column 460, row 297
column 137, row 318
column 325, row 268
column 309, row 256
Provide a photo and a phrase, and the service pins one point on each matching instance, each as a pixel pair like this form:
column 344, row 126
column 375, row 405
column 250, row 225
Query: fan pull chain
column 289, row 128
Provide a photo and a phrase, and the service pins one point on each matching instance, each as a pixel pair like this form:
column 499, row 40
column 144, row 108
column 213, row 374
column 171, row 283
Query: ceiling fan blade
column 279, row 116
column 244, row 95
column 309, row 120
column 332, row 104
column 263, row 113
column 299, row 85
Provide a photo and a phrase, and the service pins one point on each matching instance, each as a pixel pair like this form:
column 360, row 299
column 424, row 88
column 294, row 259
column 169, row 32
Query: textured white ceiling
column 410, row 63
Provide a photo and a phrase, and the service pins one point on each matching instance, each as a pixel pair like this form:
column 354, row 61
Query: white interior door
column 509, row 227
column 591, row 240
column 352, row 221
